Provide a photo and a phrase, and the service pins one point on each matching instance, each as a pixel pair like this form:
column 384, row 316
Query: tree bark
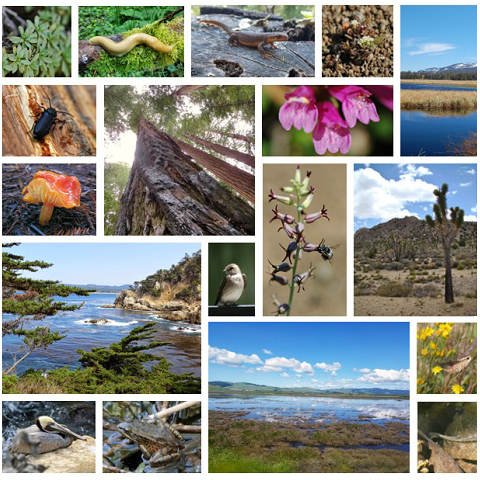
column 236, row 136
column 242, row 182
column 168, row 194
column 228, row 152
column 448, row 276
column 72, row 136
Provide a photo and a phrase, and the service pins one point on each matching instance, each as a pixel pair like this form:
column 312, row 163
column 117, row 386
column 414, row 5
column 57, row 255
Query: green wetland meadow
column 306, row 434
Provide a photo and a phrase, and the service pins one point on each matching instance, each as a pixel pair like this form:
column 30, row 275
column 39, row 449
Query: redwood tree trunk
column 228, row 152
column 168, row 194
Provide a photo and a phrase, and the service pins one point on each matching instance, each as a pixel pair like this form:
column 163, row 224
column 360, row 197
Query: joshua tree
column 447, row 229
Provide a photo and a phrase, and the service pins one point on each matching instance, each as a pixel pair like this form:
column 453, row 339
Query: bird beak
column 60, row 428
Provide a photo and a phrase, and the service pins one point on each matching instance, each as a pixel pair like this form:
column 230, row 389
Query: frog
column 160, row 443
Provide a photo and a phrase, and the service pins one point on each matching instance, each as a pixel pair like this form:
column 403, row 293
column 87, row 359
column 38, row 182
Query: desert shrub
column 427, row 290
column 394, row 266
column 372, row 252
column 394, row 289
column 471, row 295
column 460, row 266
column 462, row 242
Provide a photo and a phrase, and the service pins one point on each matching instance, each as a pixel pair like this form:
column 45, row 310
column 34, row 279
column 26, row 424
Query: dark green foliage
column 185, row 271
column 141, row 61
column 438, row 76
column 447, row 229
column 158, row 380
column 31, row 300
column 43, row 48
column 124, row 357
column 105, row 21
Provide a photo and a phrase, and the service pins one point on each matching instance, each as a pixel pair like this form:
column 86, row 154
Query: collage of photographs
column 192, row 235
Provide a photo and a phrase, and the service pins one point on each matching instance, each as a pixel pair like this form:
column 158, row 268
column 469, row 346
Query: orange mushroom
column 53, row 190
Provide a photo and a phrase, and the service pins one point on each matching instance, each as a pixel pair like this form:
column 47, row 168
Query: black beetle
column 48, row 118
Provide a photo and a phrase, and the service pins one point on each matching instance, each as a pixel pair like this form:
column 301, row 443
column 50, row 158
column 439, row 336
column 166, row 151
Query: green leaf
column 15, row 40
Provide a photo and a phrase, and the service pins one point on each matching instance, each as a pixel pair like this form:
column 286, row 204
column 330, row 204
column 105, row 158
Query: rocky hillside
column 379, row 239
column 174, row 294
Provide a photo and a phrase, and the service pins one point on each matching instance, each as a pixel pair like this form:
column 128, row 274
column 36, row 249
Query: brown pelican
column 45, row 436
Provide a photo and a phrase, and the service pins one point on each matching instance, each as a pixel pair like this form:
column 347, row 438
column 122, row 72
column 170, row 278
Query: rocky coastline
column 173, row 310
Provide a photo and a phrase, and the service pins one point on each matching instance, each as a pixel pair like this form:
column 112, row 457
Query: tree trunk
column 168, row 194
column 236, row 136
column 241, row 181
column 448, row 276
column 228, row 152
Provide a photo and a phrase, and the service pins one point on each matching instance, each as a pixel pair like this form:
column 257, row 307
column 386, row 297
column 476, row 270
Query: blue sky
column 317, row 355
column 102, row 263
column 437, row 35
column 386, row 191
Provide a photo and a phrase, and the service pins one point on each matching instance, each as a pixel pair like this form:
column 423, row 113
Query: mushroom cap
column 53, row 188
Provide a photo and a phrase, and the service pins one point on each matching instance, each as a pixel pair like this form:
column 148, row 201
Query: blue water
column 184, row 353
column 315, row 409
column 425, row 86
column 424, row 134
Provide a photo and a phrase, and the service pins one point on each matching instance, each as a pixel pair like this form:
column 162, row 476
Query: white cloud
column 329, row 367
column 284, row 374
column 379, row 198
column 411, row 170
column 472, row 171
column 292, row 363
column 268, row 368
column 470, row 218
column 466, row 184
column 225, row 357
column 299, row 375
column 378, row 375
column 267, row 352
column 361, row 370
column 454, row 192
column 431, row 48
column 474, row 209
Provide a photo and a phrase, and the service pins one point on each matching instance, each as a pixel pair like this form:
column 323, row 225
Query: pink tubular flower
column 331, row 132
column 299, row 110
column 355, row 104
column 384, row 94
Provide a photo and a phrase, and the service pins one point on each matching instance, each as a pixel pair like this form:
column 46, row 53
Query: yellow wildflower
column 424, row 351
column 420, row 381
column 433, row 346
column 437, row 370
column 426, row 332
column 444, row 329
column 457, row 389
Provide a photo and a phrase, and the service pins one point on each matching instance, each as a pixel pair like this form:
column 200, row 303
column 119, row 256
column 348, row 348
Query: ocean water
column 183, row 353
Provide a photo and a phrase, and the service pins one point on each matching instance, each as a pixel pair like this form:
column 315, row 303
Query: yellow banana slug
column 123, row 47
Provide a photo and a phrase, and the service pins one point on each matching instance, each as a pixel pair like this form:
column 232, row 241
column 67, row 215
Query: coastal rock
column 78, row 458
column 174, row 310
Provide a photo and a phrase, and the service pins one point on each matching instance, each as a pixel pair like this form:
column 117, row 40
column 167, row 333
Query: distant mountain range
column 456, row 67
column 245, row 387
column 103, row 288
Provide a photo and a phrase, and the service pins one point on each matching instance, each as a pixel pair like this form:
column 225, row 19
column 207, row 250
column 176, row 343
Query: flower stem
column 295, row 263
